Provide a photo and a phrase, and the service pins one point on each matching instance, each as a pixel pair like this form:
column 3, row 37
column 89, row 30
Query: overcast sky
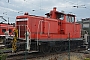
column 10, row 8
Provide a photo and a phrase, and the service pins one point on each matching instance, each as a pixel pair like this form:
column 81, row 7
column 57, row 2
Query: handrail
column 41, row 28
column 30, row 33
column 25, row 30
column 19, row 31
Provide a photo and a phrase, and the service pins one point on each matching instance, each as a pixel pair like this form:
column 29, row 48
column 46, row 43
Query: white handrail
column 25, row 30
column 19, row 31
column 37, row 31
column 30, row 33
column 41, row 29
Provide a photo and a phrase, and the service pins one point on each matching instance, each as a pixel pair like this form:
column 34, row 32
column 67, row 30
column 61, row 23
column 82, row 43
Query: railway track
column 27, row 55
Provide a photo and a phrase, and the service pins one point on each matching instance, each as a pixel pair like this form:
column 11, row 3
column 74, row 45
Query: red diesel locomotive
column 50, row 33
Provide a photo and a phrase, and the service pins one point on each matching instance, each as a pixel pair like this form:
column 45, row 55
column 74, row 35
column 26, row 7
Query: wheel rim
column 46, row 49
column 58, row 49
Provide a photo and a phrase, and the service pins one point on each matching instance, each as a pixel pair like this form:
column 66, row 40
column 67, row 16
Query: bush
column 3, row 57
column 87, row 59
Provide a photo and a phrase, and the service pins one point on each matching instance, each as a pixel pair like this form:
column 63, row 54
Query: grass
column 87, row 59
column 3, row 57
column 72, row 58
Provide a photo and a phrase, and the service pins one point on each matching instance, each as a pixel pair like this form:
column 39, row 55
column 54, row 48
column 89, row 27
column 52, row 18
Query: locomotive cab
column 55, row 14
column 61, row 16
column 70, row 18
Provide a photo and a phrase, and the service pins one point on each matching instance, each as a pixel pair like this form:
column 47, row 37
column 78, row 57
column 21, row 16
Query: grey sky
column 10, row 9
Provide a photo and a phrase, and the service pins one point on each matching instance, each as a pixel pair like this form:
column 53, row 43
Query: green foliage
column 87, row 59
column 3, row 57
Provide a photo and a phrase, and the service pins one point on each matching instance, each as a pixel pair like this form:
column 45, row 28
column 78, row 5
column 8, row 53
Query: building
column 86, row 24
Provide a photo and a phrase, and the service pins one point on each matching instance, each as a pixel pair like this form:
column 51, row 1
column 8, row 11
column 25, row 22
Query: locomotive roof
column 59, row 12
column 71, row 15
column 64, row 13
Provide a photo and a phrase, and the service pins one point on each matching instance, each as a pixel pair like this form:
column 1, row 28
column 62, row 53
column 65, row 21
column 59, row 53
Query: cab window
column 70, row 18
column 3, row 30
column 60, row 16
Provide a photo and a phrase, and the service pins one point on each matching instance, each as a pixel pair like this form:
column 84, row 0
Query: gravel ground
column 65, row 56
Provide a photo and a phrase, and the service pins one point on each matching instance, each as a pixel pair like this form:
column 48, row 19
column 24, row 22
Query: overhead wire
column 6, row 11
column 41, row 4
column 7, row 8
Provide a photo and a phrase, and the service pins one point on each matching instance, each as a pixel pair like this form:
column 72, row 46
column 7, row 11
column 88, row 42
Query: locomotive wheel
column 46, row 49
column 58, row 49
